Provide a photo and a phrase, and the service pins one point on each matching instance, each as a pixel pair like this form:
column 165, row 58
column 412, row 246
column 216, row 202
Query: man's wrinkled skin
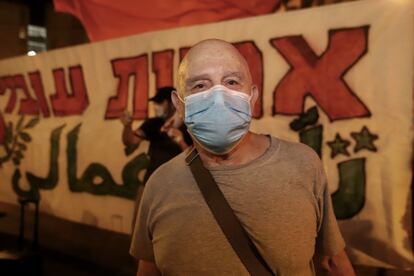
column 209, row 63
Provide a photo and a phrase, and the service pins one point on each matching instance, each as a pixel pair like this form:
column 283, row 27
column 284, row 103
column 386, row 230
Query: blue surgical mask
column 218, row 118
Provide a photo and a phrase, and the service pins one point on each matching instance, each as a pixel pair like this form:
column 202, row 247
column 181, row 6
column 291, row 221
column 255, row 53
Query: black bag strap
column 226, row 219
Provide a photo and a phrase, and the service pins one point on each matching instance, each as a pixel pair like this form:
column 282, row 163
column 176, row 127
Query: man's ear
column 178, row 104
column 254, row 95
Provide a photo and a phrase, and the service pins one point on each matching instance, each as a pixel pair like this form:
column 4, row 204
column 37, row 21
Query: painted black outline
column 330, row 33
column 145, row 113
column 314, row 126
column 261, row 93
column 172, row 51
column 287, row 8
column 277, row 6
column 27, row 98
column 338, row 136
column 291, row 124
column 412, row 197
column 12, row 100
column 375, row 136
column 112, row 61
column 3, row 86
column 30, row 74
column 365, row 188
column 180, row 53
column 69, row 93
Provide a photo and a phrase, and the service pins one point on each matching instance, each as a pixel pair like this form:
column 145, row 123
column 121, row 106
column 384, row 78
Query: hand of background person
column 126, row 118
column 130, row 138
column 174, row 122
column 168, row 124
column 175, row 134
column 171, row 128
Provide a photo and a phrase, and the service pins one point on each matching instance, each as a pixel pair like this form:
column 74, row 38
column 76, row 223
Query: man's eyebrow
column 233, row 74
column 197, row 78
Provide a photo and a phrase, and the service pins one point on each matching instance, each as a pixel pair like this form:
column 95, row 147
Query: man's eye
column 232, row 82
column 198, row 86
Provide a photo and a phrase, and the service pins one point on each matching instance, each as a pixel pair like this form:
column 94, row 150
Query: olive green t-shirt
column 281, row 199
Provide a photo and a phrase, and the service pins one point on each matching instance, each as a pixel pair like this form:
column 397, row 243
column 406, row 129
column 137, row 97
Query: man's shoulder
column 174, row 164
column 303, row 162
column 297, row 154
column 170, row 173
column 296, row 149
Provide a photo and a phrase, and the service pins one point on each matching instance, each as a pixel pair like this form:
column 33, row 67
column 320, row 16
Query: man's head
column 162, row 102
column 209, row 63
column 215, row 95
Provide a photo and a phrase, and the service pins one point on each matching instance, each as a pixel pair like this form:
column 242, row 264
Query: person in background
column 166, row 133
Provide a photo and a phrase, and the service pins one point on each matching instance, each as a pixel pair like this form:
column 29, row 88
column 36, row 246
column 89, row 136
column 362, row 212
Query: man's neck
column 251, row 147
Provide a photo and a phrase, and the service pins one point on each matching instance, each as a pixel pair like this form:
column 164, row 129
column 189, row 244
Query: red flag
column 105, row 19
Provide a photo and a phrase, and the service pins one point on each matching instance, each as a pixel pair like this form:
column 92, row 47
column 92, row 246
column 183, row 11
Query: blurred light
column 31, row 53
column 36, row 38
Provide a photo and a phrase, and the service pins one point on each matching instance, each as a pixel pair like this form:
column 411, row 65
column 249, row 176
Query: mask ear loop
column 208, row 91
column 179, row 97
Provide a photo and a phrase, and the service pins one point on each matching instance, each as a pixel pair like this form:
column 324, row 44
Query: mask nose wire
column 215, row 88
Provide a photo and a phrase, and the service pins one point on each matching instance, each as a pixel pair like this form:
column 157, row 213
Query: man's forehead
column 212, row 45
column 211, row 57
column 204, row 62
column 214, row 51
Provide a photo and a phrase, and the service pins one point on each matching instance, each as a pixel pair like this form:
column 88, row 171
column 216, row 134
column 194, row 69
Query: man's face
column 211, row 63
column 161, row 109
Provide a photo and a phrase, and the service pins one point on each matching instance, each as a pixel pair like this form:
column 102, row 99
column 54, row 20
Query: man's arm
column 129, row 137
column 146, row 268
column 338, row 265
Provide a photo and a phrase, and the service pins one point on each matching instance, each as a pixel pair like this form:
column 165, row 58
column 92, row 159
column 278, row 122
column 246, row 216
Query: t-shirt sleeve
column 141, row 244
column 329, row 241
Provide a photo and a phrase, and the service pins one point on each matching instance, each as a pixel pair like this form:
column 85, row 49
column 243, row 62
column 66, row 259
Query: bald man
column 276, row 188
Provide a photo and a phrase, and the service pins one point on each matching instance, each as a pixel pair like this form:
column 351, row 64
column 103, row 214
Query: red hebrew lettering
column 254, row 59
column 183, row 52
column 2, row 129
column 63, row 103
column 37, row 86
column 7, row 82
column 3, row 85
column 28, row 105
column 321, row 76
column 122, row 69
column 162, row 66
